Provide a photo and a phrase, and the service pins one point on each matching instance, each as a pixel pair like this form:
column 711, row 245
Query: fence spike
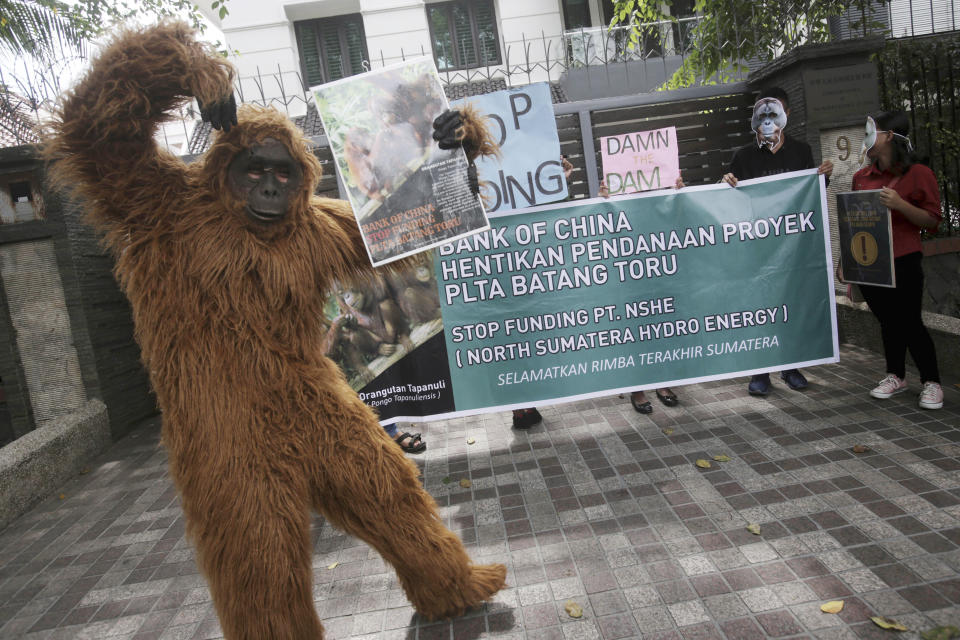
column 283, row 93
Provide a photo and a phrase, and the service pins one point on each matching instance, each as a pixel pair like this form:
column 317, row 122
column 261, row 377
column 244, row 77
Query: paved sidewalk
column 600, row 505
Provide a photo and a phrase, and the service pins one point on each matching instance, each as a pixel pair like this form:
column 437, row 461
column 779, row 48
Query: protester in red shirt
column 910, row 192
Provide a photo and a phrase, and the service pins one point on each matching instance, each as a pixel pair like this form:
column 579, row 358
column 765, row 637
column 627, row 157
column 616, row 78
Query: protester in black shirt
column 773, row 152
column 753, row 161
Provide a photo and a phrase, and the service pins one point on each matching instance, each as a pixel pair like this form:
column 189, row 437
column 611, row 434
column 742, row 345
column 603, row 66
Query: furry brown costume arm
column 103, row 145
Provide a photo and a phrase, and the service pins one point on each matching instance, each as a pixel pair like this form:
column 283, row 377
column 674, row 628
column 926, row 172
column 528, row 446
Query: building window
column 464, row 34
column 19, row 199
column 576, row 15
column 331, row 48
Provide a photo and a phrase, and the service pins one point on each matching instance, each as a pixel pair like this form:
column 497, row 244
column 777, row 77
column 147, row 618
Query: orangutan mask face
column 769, row 119
column 267, row 178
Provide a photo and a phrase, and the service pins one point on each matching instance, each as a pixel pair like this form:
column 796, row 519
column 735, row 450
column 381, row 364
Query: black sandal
column 414, row 445
column 669, row 399
column 641, row 407
column 526, row 418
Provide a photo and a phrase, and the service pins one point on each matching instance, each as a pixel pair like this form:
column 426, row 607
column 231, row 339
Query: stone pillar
column 42, row 330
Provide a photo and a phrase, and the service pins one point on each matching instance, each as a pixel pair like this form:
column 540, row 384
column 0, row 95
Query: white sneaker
column 889, row 386
column 931, row 396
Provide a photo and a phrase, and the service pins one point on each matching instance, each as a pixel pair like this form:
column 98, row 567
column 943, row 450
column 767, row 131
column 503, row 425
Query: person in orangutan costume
column 227, row 263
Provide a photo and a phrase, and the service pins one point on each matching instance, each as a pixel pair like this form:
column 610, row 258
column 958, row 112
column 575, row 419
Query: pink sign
column 640, row 161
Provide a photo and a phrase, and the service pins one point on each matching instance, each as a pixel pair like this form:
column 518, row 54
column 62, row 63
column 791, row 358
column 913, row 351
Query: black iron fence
column 919, row 75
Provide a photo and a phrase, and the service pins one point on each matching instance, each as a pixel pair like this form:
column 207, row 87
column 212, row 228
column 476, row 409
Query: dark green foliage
column 731, row 32
column 918, row 76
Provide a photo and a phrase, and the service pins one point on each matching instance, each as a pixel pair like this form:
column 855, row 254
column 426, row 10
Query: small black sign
column 866, row 239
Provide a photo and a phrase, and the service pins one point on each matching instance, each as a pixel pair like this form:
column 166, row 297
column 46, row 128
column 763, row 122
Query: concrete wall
column 33, row 466
column 113, row 368
column 66, row 326
column 71, row 371
column 857, row 325
column 630, row 78
column 941, row 269
column 41, row 328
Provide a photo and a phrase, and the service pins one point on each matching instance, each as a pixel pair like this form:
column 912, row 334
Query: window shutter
column 310, row 53
column 466, row 51
column 442, row 42
column 487, row 33
column 464, row 34
column 330, row 36
column 356, row 46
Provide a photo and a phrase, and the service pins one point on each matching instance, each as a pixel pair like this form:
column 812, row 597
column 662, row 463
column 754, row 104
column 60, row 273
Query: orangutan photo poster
column 407, row 194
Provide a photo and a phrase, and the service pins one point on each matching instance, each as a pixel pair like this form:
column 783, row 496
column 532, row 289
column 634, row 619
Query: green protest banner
column 582, row 299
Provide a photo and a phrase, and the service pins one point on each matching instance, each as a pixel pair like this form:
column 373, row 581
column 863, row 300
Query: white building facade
column 283, row 47
column 309, row 43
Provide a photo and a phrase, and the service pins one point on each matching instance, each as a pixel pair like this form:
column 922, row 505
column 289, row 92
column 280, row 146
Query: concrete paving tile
column 653, row 618
column 760, row 599
column 791, row 593
column 726, row 606
column 688, row 613
column 597, row 505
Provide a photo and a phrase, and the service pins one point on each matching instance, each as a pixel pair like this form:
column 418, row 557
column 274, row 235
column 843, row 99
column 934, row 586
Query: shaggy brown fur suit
column 259, row 425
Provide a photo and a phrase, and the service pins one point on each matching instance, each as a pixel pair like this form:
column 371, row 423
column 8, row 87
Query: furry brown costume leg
column 391, row 512
column 260, row 426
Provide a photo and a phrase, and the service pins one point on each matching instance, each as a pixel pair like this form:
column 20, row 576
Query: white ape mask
column 769, row 119
column 870, row 138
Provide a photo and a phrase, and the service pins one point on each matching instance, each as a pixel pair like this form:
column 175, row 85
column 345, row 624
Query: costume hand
column 679, row 183
column 891, row 199
column 603, row 191
column 730, row 179
column 447, row 131
column 566, row 166
column 220, row 115
column 838, row 272
column 825, row 168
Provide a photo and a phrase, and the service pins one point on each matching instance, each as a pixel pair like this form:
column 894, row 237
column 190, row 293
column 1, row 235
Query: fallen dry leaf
column 332, row 566
column 834, row 606
column 859, row 448
column 471, row 440
column 722, row 458
column 573, row 609
column 63, row 496
column 446, row 480
column 887, row 623
column 704, row 464
column 668, row 431
column 754, row 529
column 941, row 633
column 465, row 483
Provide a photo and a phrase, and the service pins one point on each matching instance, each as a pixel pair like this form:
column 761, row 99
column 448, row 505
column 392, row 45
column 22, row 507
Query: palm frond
column 43, row 29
